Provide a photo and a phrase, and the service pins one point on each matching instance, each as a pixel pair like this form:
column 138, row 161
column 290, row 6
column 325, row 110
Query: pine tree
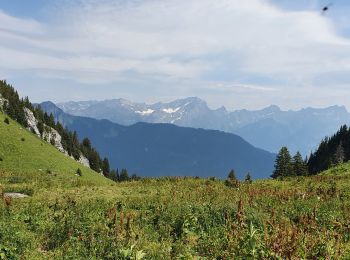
column 105, row 167
column 339, row 156
column 124, row 176
column 232, row 176
column 232, row 180
column 248, row 178
column 283, row 164
column 299, row 165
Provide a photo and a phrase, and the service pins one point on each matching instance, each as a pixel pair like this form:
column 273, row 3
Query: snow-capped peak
column 145, row 112
column 171, row 110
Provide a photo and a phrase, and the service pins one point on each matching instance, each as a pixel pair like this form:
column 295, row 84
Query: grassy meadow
column 90, row 217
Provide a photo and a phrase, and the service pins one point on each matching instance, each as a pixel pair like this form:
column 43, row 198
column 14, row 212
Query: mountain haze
column 166, row 149
column 268, row 128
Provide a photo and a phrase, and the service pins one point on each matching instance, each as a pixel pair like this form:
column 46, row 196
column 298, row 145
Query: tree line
column 331, row 151
column 14, row 108
column 287, row 166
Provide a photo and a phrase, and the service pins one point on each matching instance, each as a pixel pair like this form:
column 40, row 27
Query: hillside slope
column 27, row 158
column 165, row 149
column 183, row 218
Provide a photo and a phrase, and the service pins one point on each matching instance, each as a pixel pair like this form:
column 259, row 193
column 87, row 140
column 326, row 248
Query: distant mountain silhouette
column 165, row 149
column 268, row 128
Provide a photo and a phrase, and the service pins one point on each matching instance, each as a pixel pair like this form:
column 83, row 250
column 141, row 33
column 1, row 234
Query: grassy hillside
column 300, row 218
column 27, row 158
column 88, row 217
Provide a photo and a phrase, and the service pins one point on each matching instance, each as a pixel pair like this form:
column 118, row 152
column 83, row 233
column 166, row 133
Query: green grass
column 25, row 157
column 71, row 217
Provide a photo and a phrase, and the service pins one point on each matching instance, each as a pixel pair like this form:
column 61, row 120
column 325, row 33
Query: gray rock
column 15, row 195
column 53, row 137
column 2, row 102
column 31, row 122
column 84, row 161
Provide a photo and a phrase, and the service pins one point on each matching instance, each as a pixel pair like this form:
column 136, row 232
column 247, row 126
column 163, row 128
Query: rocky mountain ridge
column 268, row 128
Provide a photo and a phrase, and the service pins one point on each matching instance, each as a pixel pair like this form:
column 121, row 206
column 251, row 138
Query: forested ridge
column 331, row 151
column 13, row 106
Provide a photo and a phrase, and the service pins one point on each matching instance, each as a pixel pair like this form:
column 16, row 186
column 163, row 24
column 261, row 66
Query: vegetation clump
column 79, row 172
column 232, row 180
column 6, row 121
column 248, row 178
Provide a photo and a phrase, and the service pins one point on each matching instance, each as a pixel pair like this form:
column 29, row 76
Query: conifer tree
column 232, row 175
column 124, row 176
column 283, row 164
column 105, row 167
column 339, row 156
column 299, row 165
column 248, row 178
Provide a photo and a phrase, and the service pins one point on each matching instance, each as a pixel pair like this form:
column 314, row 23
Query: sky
column 233, row 53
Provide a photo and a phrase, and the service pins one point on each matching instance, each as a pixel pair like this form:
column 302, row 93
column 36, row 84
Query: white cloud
column 101, row 41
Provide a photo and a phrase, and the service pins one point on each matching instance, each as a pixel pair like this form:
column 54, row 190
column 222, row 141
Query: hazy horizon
column 241, row 55
column 211, row 107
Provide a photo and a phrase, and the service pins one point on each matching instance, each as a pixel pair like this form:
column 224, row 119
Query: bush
column 16, row 179
column 1, row 159
column 79, row 172
column 248, row 178
column 7, row 121
column 232, row 183
column 23, row 139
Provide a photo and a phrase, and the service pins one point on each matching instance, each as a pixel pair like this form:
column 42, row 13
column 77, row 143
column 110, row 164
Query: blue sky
column 240, row 54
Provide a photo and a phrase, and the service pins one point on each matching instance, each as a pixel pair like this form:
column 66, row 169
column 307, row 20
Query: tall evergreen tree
column 299, row 165
column 124, row 176
column 339, row 155
column 105, row 167
column 283, row 164
column 232, row 175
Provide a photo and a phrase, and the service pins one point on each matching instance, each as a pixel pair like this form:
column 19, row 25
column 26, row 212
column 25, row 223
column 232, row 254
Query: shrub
column 23, row 139
column 7, row 121
column 79, row 172
column 248, row 178
column 232, row 183
column 16, row 179
column 1, row 159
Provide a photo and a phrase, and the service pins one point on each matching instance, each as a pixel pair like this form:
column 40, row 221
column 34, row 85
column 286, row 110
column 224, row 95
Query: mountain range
column 269, row 128
column 151, row 149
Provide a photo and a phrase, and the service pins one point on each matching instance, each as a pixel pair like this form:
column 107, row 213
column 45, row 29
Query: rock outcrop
column 2, row 102
column 53, row 137
column 84, row 161
column 50, row 135
column 31, row 122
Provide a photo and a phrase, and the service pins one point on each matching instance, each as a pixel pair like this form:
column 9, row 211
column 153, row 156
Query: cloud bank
column 260, row 53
